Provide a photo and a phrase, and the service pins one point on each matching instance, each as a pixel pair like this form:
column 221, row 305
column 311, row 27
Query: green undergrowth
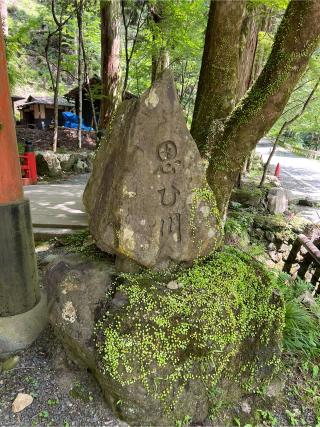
column 82, row 243
column 301, row 335
column 165, row 339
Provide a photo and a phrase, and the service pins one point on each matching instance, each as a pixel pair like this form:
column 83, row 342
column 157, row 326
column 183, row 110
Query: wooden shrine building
column 38, row 111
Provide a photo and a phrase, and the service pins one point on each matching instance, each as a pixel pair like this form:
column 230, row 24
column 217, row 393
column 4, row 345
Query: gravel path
column 63, row 394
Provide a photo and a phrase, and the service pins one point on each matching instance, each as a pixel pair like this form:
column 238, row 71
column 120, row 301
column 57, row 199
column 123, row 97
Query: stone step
column 47, row 233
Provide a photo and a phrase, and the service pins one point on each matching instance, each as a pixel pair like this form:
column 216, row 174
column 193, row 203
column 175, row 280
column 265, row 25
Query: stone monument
column 158, row 341
column 147, row 199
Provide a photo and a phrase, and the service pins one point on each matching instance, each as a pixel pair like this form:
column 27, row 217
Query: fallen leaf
column 21, row 401
column 10, row 363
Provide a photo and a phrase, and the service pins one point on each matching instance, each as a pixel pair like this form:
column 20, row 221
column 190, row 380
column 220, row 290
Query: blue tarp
column 71, row 120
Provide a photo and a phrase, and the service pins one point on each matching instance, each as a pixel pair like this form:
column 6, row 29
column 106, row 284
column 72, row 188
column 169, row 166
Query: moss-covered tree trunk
column 110, row 59
column 247, row 50
column 218, row 81
column 295, row 41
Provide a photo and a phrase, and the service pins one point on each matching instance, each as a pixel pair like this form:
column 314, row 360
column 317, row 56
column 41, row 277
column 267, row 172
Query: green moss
column 82, row 242
column 270, row 222
column 166, row 338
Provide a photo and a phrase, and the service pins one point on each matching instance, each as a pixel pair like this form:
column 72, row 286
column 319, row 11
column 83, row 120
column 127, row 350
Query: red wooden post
column 10, row 175
column 21, row 319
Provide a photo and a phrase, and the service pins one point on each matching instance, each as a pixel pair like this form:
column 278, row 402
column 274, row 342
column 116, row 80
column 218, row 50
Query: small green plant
column 216, row 402
column 267, row 416
column 53, row 402
column 32, row 381
column 292, row 417
column 255, row 250
column 301, row 332
column 302, row 328
column 43, row 414
column 82, row 242
column 79, row 391
column 184, row 422
column 232, row 225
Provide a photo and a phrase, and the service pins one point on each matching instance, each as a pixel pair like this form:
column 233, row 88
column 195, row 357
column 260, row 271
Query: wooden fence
column 310, row 259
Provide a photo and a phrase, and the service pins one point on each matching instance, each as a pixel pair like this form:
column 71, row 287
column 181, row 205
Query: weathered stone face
column 148, row 197
column 277, row 200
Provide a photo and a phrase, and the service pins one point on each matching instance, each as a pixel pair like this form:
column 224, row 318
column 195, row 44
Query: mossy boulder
column 247, row 196
column 165, row 340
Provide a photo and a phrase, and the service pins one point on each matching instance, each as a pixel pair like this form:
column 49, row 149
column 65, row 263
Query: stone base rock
column 76, row 287
column 20, row 331
column 157, row 350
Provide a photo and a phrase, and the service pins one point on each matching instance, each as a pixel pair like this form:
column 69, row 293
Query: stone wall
column 56, row 164
column 279, row 235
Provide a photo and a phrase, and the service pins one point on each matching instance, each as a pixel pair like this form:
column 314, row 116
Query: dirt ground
column 63, row 394
column 68, row 140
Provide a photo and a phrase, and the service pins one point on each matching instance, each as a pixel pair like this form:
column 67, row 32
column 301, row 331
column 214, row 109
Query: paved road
column 298, row 174
column 58, row 205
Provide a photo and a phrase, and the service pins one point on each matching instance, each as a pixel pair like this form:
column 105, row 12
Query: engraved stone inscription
column 171, row 227
column 169, row 197
column 167, row 150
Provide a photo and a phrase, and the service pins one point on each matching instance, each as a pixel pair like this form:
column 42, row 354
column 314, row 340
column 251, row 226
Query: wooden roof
column 74, row 93
column 46, row 100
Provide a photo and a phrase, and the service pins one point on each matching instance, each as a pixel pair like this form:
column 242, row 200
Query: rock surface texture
column 76, row 287
column 277, row 200
column 148, row 198
column 56, row 164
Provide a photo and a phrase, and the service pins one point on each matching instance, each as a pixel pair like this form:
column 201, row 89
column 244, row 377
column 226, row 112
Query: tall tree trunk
column 4, row 17
column 56, row 93
column 218, row 81
column 296, row 39
column 126, row 23
column 87, row 81
column 160, row 61
column 110, row 59
column 55, row 81
column 260, row 59
column 79, row 6
column 248, row 47
column 160, row 56
column 247, row 50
